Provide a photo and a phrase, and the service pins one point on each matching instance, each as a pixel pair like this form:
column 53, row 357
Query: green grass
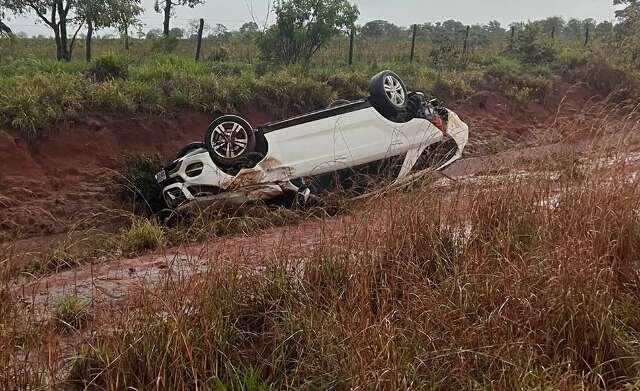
column 142, row 235
column 71, row 313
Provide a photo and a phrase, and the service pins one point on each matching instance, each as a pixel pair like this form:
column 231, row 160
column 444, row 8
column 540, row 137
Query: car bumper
column 197, row 178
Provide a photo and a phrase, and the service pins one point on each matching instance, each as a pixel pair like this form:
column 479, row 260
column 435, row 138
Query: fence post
column 513, row 36
column 413, row 41
column 351, row 39
column 553, row 32
column 199, row 44
column 586, row 38
column 466, row 40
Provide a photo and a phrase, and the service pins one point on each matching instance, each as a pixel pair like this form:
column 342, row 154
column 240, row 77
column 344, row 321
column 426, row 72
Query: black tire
column 223, row 144
column 188, row 148
column 388, row 94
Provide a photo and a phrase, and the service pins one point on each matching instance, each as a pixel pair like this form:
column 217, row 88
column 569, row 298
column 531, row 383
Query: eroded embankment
column 59, row 180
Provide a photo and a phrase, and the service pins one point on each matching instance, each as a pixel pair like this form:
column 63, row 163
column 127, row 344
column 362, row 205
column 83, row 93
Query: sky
column 233, row 13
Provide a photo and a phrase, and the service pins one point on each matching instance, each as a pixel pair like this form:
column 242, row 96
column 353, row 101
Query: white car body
column 337, row 139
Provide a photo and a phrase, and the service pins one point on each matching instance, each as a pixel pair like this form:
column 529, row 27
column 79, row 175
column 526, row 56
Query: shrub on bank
column 109, row 67
column 137, row 186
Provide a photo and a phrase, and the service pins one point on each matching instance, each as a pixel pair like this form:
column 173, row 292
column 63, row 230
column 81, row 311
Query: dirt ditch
column 59, row 181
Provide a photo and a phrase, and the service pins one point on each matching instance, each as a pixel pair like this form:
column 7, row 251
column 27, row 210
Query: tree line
column 301, row 27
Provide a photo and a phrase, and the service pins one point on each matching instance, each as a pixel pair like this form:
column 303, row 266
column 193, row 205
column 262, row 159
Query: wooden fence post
column 199, row 44
column 586, row 38
column 413, row 41
column 351, row 39
column 513, row 36
column 553, row 32
column 466, row 40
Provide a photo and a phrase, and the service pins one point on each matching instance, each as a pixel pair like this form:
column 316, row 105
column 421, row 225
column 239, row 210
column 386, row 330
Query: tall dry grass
column 527, row 282
column 532, row 284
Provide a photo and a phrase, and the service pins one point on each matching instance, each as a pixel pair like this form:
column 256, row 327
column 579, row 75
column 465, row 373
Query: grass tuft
column 143, row 235
column 71, row 313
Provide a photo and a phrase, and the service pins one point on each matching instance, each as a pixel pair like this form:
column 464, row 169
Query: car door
column 309, row 148
column 368, row 137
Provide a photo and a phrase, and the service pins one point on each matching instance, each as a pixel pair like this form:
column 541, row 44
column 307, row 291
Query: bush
column 136, row 183
column 289, row 94
column 606, row 78
column 533, row 47
column 520, row 95
column 509, row 76
column 347, row 85
column 109, row 67
column 451, row 85
column 112, row 95
column 568, row 61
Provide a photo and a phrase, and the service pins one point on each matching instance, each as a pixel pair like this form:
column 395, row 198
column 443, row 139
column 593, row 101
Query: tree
column 154, row 34
column 61, row 15
column 193, row 26
column 533, row 46
column 176, row 32
column 119, row 14
column 380, row 28
column 168, row 9
column 6, row 7
column 445, row 34
column 304, row 26
column 604, row 30
column 553, row 25
column 249, row 28
column 629, row 6
column 630, row 28
column 573, row 29
column 58, row 15
column 124, row 15
column 219, row 31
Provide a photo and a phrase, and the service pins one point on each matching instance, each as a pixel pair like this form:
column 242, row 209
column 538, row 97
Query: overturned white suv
column 239, row 163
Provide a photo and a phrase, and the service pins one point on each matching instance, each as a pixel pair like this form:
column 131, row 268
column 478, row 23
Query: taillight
column 439, row 123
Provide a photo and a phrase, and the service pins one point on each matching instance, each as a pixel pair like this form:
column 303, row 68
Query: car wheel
column 388, row 94
column 229, row 139
column 188, row 148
